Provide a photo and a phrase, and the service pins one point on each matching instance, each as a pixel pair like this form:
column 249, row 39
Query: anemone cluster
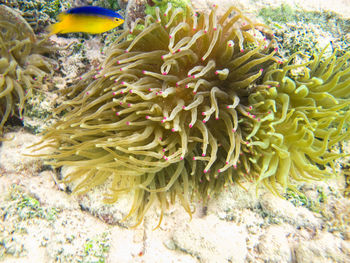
column 22, row 66
column 186, row 102
column 299, row 120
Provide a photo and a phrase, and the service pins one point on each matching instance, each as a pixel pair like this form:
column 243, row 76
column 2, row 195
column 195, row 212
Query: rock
column 212, row 240
column 274, row 246
column 324, row 248
column 279, row 208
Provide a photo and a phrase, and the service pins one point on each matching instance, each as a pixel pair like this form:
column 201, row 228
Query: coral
column 294, row 122
column 22, row 65
column 162, row 117
column 39, row 13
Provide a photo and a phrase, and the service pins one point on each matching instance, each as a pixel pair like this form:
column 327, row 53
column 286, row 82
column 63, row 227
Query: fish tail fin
column 54, row 29
column 57, row 27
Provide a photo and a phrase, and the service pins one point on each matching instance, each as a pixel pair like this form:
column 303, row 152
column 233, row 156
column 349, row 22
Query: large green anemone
column 295, row 122
column 22, row 65
column 185, row 103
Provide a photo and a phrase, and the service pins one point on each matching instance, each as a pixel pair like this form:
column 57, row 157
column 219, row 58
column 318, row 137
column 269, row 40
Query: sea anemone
column 298, row 121
column 22, row 65
column 161, row 118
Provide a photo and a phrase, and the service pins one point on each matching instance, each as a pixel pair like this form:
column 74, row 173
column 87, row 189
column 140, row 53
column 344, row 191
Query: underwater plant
column 22, row 65
column 189, row 102
column 161, row 117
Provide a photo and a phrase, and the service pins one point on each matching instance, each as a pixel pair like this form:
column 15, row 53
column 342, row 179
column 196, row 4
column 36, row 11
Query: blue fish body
column 93, row 10
column 88, row 19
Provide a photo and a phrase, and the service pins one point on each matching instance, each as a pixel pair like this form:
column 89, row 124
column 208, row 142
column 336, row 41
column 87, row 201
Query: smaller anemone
column 294, row 123
column 22, row 65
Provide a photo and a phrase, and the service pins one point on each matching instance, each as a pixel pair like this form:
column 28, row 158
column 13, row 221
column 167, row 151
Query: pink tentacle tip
column 114, row 93
column 216, row 118
column 193, row 158
column 126, row 51
column 204, row 121
column 121, row 69
column 216, row 72
column 129, row 105
column 87, row 93
column 147, row 117
column 205, row 171
column 219, row 171
column 130, row 91
column 250, row 107
column 203, row 154
column 215, row 28
column 186, row 86
column 184, row 107
column 170, row 36
column 226, row 163
column 173, row 130
column 117, row 113
column 194, row 28
column 233, row 130
column 128, row 123
column 176, row 84
column 80, row 78
column 261, row 70
column 179, row 50
column 118, row 62
column 190, row 125
column 203, row 113
column 276, row 49
column 259, row 119
column 181, row 158
column 160, row 138
column 123, row 83
column 164, row 73
column 242, row 50
column 143, row 71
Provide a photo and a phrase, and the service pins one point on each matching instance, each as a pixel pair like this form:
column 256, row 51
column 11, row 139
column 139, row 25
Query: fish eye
column 117, row 19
